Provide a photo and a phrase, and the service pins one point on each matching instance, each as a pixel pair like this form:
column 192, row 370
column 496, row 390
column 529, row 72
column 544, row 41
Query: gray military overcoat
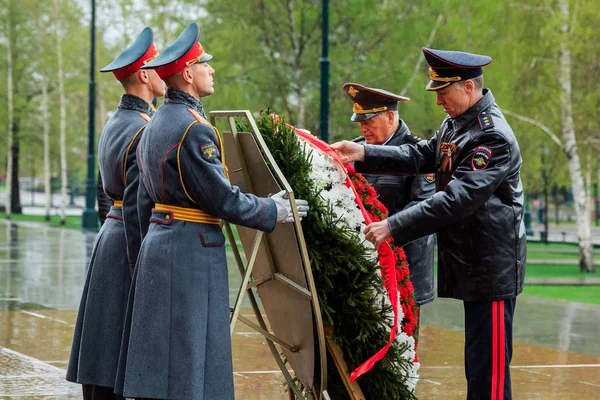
column 98, row 330
column 179, row 344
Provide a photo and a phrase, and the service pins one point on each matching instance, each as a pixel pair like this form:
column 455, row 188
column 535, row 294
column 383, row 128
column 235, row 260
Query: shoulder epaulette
column 145, row 117
column 411, row 137
column 198, row 117
column 485, row 121
column 358, row 139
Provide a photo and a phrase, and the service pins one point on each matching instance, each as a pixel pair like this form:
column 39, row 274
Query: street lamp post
column 324, row 61
column 89, row 220
column 528, row 228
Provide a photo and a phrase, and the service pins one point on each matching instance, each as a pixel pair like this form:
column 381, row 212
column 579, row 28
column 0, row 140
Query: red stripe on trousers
column 494, row 349
column 502, row 344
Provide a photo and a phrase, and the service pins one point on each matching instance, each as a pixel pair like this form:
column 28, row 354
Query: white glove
column 284, row 207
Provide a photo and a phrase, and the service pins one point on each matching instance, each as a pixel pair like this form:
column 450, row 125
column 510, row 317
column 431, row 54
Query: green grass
column 549, row 271
column 583, row 294
column 73, row 222
column 555, row 251
column 560, row 270
column 540, row 247
column 553, row 256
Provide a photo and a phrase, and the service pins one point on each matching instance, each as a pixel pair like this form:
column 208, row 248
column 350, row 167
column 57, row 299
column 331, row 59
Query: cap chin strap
column 435, row 77
column 357, row 109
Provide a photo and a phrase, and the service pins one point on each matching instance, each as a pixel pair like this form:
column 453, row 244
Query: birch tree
column 580, row 194
column 46, row 135
column 62, row 107
column 9, row 156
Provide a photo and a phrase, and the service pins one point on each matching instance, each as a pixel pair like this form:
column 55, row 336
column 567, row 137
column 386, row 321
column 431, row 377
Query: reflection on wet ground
column 556, row 355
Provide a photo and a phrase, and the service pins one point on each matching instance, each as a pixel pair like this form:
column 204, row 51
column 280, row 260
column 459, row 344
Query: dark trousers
column 488, row 349
column 93, row 392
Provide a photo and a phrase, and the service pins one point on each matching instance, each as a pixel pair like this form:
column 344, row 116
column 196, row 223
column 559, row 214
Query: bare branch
column 420, row 59
column 530, row 8
column 535, row 60
column 533, row 122
column 594, row 142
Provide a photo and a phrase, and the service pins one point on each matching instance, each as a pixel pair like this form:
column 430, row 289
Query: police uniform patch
column 430, row 178
column 481, row 158
column 209, row 151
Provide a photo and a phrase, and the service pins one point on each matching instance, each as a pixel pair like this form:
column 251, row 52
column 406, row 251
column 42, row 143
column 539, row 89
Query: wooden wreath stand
column 278, row 269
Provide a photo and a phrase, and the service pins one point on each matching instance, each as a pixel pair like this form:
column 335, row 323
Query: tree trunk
column 46, row 133
column 579, row 193
column 598, row 192
column 15, row 192
column 62, row 106
column 9, row 156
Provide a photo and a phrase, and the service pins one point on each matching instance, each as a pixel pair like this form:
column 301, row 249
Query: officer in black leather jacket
column 477, row 212
column 376, row 111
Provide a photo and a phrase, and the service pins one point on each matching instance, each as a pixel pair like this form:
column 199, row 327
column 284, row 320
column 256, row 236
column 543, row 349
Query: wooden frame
column 266, row 275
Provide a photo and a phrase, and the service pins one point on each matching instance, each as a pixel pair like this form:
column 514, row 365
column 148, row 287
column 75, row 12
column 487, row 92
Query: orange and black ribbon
column 448, row 150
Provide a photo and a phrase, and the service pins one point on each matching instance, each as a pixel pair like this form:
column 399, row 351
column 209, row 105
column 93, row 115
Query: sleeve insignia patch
column 481, row 158
column 430, row 178
column 209, row 151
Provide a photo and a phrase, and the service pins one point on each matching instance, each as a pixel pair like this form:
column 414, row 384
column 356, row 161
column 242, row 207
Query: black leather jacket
column 400, row 192
column 477, row 212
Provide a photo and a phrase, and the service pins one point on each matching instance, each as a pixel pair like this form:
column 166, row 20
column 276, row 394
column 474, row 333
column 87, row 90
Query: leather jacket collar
column 468, row 116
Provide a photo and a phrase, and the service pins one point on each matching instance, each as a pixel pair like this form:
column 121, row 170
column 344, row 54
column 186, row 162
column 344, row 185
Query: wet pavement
column 42, row 270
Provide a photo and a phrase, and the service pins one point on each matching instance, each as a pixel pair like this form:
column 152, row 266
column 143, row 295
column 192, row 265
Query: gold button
column 167, row 217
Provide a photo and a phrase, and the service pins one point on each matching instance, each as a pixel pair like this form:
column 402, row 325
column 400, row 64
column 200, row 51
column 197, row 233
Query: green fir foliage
column 346, row 279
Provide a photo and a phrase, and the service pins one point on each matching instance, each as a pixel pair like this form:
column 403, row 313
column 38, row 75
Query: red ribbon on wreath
column 387, row 258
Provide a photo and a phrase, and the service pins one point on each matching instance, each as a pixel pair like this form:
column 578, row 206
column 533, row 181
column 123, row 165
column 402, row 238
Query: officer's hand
column 349, row 151
column 284, row 207
column 378, row 232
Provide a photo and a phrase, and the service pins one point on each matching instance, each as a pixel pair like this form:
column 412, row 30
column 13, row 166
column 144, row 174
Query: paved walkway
column 42, row 269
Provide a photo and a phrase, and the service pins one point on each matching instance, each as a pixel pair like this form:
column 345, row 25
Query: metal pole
column 89, row 220
column 528, row 229
column 324, row 61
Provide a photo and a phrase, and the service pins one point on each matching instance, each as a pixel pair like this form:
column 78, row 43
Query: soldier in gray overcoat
column 179, row 344
column 98, row 330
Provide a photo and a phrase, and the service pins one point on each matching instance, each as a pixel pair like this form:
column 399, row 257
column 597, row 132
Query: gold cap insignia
column 352, row 92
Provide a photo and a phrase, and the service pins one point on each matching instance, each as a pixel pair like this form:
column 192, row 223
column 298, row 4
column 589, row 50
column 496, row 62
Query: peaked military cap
column 368, row 102
column 183, row 52
column 447, row 67
column 134, row 57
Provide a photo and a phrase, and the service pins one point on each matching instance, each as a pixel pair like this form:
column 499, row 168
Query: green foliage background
column 267, row 55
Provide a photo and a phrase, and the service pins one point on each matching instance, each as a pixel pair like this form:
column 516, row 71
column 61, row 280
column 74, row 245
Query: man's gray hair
column 477, row 82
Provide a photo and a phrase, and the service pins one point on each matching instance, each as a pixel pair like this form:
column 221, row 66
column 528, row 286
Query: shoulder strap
column 411, row 137
column 485, row 121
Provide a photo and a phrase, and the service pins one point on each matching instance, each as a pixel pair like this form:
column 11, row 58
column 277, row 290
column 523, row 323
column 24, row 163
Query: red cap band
column 134, row 67
column 192, row 56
